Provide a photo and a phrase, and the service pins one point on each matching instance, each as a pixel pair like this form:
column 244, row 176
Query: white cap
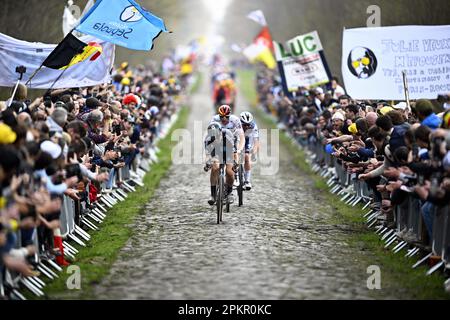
column 338, row 116
column 154, row 110
column 51, row 148
column 319, row 90
column 401, row 106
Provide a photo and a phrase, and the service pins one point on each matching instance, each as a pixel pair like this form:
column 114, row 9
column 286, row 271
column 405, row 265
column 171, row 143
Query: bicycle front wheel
column 219, row 202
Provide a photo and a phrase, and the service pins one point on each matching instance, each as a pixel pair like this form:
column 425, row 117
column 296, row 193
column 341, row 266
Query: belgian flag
column 64, row 52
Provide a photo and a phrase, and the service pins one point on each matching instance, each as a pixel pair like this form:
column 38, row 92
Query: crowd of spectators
column 69, row 142
column 400, row 150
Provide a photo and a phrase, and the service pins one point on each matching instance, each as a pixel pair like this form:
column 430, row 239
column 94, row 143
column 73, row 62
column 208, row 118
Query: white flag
column 258, row 17
column 236, row 48
column 70, row 21
column 14, row 53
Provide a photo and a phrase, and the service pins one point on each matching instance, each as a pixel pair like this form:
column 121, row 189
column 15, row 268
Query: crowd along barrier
column 78, row 218
column 407, row 234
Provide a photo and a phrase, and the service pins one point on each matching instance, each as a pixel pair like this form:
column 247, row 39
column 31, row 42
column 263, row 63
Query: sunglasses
column 224, row 117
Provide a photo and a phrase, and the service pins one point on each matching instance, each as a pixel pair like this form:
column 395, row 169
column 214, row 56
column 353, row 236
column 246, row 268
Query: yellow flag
column 267, row 58
column 257, row 52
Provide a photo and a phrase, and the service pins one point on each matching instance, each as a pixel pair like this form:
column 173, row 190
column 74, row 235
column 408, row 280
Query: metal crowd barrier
column 407, row 215
column 78, row 216
column 441, row 235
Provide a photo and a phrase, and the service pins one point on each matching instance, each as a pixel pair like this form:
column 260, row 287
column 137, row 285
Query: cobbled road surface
column 277, row 246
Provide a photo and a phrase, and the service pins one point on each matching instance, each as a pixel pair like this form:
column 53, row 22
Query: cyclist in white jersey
column 233, row 127
column 251, row 145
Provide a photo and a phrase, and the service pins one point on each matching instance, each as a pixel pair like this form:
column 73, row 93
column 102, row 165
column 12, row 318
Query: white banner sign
column 373, row 60
column 14, row 53
column 301, row 61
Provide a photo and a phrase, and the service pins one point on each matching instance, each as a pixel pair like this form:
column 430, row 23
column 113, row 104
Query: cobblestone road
column 278, row 246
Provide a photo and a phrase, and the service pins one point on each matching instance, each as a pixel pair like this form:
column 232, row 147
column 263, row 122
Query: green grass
column 96, row 259
column 247, row 85
column 197, row 82
column 397, row 273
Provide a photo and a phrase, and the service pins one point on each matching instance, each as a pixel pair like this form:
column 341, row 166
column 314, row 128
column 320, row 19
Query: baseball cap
column 7, row 135
column 319, row 90
column 51, row 148
column 338, row 116
column 385, row 110
column 401, row 106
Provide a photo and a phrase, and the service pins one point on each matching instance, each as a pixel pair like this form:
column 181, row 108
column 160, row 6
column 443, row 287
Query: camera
column 21, row 69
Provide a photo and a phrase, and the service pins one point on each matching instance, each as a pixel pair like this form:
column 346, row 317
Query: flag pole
column 57, row 79
column 34, row 73
column 406, row 89
column 20, row 70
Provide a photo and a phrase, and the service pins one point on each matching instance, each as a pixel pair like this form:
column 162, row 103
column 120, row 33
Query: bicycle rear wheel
column 240, row 188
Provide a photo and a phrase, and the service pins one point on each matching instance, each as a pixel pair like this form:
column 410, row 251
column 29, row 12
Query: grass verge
column 101, row 251
column 397, row 274
column 197, row 83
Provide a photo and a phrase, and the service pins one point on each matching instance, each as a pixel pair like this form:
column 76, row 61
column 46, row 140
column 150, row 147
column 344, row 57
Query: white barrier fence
column 80, row 217
column 407, row 215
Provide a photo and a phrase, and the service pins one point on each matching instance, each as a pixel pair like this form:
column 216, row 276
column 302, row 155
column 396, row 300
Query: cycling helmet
column 224, row 110
column 215, row 126
column 214, row 129
column 246, row 117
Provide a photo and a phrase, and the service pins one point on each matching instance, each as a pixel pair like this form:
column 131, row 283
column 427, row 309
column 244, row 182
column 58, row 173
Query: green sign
column 299, row 46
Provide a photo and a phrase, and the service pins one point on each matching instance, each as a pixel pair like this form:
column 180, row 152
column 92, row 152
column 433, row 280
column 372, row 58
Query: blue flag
column 122, row 22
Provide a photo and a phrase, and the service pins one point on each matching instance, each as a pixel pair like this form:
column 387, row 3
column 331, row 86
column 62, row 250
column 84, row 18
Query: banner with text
column 373, row 60
column 302, row 62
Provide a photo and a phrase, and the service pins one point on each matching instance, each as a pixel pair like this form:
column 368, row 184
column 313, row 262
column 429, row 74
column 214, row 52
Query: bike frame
column 240, row 188
column 221, row 185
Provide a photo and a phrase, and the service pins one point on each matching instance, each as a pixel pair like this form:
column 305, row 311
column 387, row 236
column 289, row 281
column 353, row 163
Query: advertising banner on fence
column 373, row 60
column 302, row 62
